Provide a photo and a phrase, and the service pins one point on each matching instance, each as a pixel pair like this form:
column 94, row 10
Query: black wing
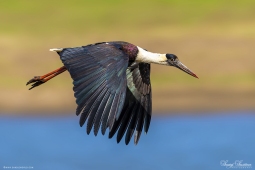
column 137, row 108
column 99, row 77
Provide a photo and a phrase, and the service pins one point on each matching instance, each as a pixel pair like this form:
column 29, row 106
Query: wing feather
column 98, row 73
column 125, row 122
column 113, row 111
column 108, row 92
column 98, row 117
column 93, row 109
column 132, row 124
column 106, row 114
column 88, row 104
column 141, row 119
column 136, row 113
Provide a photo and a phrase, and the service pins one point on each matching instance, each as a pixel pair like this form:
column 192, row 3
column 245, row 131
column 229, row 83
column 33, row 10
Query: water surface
column 173, row 142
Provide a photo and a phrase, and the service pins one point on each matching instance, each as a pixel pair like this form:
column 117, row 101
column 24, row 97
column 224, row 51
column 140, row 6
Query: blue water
column 173, row 142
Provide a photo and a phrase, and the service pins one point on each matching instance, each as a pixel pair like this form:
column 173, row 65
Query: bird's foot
column 37, row 81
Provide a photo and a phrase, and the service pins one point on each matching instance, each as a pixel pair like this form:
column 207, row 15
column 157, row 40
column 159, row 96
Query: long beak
column 182, row 67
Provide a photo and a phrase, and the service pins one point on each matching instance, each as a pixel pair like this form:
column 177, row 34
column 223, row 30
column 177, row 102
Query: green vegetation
column 47, row 18
column 214, row 38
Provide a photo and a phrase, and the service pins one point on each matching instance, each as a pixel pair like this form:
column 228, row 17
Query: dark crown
column 171, row 57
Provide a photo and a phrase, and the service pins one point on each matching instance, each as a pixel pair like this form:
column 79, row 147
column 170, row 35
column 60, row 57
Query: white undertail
column 56, row 49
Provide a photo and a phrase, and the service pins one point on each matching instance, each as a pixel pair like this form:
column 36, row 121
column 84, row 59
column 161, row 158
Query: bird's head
column 162, row 59
column 172, row 60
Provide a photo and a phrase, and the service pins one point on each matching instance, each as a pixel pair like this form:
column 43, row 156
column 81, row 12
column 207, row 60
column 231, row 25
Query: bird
column 111, row 84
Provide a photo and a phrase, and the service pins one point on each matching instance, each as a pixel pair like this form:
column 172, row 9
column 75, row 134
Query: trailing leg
column 38, row 80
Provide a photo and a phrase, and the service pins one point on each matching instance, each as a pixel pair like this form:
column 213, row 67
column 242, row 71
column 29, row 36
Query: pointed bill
column 182, row 67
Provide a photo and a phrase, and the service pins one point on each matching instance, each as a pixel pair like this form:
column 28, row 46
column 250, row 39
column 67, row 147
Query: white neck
column 149, row 57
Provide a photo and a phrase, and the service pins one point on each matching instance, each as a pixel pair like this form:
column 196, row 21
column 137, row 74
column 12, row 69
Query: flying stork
column 111, row 84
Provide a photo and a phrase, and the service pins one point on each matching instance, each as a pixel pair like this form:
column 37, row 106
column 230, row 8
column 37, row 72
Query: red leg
column 38, row 80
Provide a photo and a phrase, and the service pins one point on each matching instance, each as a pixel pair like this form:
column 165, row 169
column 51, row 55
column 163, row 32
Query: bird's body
column 112, row 85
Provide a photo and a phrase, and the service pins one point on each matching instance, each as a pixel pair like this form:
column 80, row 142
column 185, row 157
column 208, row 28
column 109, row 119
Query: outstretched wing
column 99, row 77
column 136, row 112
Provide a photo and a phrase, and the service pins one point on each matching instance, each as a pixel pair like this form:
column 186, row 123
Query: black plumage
column 112, row 85
column 110, row 91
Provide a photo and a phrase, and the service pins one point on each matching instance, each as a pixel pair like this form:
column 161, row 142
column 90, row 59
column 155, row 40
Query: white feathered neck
column 149, row 57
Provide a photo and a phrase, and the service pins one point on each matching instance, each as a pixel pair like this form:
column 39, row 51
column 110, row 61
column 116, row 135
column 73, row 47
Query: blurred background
column 196, row 122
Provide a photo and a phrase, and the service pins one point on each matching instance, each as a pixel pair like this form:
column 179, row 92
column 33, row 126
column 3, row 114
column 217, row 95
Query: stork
column 111, row 84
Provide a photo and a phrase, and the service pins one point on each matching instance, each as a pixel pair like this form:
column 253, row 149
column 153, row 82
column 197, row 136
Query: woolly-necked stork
column 112, row 85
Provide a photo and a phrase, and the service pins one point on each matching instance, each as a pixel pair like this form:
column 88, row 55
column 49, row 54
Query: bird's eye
column 171, row 57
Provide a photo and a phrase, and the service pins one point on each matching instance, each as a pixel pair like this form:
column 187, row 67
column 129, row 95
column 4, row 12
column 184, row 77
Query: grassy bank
column 215, row 39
